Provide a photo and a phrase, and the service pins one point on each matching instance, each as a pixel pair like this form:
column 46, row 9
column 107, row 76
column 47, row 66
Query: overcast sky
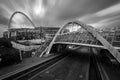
column 58, row 12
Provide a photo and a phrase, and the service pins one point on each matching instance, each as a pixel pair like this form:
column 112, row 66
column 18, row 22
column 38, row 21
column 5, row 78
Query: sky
column 58, row 12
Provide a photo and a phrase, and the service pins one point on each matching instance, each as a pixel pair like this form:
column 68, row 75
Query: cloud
column 115, row 9
column 2, row 29
column 57, row 12
column 3, row 20
column 39, row 9
column 105, row 17
column 5, row 11
column 108, row 22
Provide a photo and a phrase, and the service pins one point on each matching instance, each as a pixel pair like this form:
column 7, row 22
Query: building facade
column 28, row 34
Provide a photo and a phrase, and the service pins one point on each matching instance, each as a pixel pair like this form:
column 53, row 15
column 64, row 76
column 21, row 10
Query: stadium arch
column 12, row 16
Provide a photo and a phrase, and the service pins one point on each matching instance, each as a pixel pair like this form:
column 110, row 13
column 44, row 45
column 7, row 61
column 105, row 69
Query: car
column 8, row 54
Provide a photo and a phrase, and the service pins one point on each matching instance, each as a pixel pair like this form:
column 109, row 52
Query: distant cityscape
column 44, row 32
column 28, row 33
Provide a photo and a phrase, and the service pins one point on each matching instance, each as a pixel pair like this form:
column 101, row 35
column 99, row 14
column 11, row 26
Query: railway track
column 96, row 71
column 26, row 74
column 71, row 67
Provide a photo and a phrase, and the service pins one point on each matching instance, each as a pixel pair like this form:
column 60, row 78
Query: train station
column 83, row 48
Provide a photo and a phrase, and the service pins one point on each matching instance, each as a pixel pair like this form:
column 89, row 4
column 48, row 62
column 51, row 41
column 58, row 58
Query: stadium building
column 29, row 34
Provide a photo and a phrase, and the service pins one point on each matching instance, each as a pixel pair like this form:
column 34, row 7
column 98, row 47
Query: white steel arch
column 95, row 34
column 17, row 12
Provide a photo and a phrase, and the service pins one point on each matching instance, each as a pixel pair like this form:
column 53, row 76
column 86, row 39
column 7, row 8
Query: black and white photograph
column 59, row 39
